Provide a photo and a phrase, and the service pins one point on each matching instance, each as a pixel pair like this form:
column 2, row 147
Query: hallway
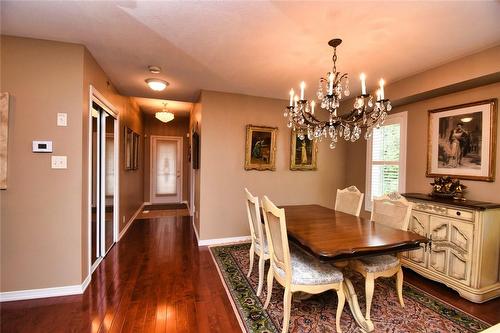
column 155, row 279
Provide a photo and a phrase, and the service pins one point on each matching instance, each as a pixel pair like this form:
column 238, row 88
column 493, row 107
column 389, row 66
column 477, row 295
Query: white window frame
column 400, row 118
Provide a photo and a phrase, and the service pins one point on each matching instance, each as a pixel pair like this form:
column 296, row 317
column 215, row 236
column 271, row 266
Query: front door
column 166, row 169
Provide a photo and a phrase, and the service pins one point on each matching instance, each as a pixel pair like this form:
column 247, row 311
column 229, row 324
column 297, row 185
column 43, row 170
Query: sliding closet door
column 108, row 156
column 94, row 197
column 104, row 156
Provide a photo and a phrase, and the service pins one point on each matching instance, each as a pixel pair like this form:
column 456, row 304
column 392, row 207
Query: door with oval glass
column 166, row 169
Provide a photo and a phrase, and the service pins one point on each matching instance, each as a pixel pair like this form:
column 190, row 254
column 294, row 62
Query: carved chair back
column 274, row 220
column 392, row 210
column 349, row 200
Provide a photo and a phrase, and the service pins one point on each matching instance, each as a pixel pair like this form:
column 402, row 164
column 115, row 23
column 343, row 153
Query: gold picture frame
column 303, row 153
column 462, row 141
column 4, row 134
column 260, row 148
column 131, row 154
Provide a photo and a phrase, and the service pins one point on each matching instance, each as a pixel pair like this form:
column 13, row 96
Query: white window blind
column 386, row 159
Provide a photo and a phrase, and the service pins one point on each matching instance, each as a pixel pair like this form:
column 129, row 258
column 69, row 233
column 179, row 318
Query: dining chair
column 349, row 200
column 392, row 210
column 259, row 243
column 294, row 269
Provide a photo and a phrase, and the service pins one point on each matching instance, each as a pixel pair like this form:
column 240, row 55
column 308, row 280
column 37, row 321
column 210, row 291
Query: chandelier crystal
column 366, row 114
column 164, row 115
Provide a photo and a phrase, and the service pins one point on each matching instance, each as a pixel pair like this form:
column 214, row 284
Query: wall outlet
column 123, row 219
column 62, row 119
column 59, row 162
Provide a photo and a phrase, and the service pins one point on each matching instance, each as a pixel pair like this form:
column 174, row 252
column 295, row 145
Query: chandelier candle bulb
column 302, row 87
column 312, row 106
column 362, row 77
column 292, row 93
column 381, row 82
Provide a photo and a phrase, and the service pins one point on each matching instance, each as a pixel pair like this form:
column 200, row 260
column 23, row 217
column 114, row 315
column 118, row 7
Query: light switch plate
column 59, row 162
column 62, row 119
column 42, row 146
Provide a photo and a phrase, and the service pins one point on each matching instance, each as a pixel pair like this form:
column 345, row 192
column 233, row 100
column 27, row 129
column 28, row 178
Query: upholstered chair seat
column 266, row 250
column 379, row 263
column 307, row 270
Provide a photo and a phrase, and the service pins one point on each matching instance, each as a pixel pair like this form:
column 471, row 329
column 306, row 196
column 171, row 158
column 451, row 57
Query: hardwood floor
column 155, row 280
column 158, row 280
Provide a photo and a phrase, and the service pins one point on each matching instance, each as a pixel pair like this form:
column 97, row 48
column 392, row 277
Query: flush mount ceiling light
column 154, row 69
column 157, row 84
column 164, row 115
column 466, row 120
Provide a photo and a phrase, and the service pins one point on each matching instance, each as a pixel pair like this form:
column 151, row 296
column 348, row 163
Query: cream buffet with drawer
column 464, row 252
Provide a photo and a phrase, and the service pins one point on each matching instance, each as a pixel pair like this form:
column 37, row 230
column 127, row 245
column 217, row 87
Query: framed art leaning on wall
column 260, row 148
column 462, row 141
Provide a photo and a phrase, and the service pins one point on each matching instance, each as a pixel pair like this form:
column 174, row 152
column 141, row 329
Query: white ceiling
column 257, row 48
column 153, row 105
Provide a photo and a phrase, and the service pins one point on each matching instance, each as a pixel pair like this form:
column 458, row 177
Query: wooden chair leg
column 340, row 307
column 369, row 286
column 287, row 307
column 270, row 279
column 399, row 286
column 261, row 275
column 252, row 254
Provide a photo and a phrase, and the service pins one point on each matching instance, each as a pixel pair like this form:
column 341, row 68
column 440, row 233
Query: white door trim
column 152, row 154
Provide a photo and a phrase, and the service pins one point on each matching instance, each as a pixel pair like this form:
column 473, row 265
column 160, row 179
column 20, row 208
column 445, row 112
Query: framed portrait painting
column 462, row 141
column 260, row 148
column 303, row 153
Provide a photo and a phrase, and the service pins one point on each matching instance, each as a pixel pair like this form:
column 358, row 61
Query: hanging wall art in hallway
column 4, row 131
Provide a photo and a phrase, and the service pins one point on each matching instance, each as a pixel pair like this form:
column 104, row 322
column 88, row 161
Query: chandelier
column 164, row 115
column 366, row 114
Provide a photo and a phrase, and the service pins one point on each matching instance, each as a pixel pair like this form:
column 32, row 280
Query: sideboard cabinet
column 464, row 248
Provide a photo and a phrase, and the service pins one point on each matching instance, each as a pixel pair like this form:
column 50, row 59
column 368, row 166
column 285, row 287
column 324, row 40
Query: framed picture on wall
column 128, row 148
column 303, row 152
column 260, row 148
column 131, row 146
column 135, row 151
column 462, row 141
column 196, row 150
column 4, row 132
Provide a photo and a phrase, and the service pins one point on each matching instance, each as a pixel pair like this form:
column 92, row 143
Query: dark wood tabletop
column 333, row 235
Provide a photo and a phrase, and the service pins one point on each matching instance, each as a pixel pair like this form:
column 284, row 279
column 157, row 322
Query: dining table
column 338, row 237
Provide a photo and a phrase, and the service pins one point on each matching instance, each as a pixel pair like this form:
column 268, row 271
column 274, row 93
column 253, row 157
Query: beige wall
column 177, row 127
column 44, row 217
column 41, row 211
column 223, row 177
column 416, row 166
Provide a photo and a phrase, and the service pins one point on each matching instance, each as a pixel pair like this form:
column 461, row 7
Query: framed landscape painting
column 462, row 141
column 260, row 148
column 303, row 153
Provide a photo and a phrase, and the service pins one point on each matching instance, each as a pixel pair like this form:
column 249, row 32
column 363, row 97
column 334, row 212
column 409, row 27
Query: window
column 386, row 159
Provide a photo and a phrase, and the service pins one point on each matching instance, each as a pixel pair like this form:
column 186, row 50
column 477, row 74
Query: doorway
column 166, row 169
column 103, row 179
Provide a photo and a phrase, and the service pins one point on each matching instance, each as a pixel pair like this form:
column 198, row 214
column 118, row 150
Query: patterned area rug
column 422, row 312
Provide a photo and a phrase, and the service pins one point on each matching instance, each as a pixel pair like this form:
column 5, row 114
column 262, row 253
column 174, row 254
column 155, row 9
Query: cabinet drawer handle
column 458, row 213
